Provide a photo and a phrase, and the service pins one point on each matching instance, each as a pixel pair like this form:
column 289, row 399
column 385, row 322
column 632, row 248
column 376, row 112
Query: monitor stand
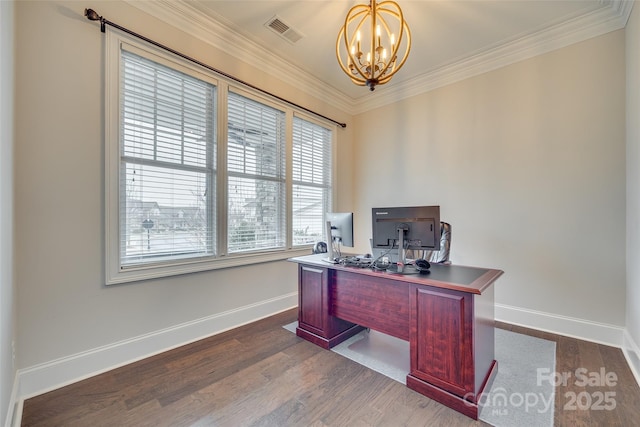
column 331, row 258
column 402, row 269
column 401, row 266
column 402, row 254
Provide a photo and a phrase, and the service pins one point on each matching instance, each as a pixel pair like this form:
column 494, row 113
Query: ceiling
column 451, row 39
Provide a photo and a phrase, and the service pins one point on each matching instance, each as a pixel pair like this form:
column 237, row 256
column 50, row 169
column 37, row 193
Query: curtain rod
column 92, row 15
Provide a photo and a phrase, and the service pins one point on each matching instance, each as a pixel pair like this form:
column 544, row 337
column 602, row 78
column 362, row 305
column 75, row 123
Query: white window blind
column 311, row 180
column 167, row 163
column 256, row 176
column 185, row 192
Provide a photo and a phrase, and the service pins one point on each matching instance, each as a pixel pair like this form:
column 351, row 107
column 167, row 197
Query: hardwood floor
column 573, row 354
column 262, row 375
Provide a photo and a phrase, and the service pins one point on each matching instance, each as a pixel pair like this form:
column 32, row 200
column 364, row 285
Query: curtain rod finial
column 92, row 15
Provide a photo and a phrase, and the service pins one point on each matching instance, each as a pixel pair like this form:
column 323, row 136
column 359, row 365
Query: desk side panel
column 311, row 295
column 315, row 323
column 484, row 336
column 441, row 344
column 377, row 303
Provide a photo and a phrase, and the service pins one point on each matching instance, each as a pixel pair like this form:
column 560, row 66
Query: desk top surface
column 456, row 277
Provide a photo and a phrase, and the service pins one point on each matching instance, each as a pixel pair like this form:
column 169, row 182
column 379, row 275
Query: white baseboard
column 67, row 370
column 587, row 330
column 631, row 352
column 14, row 411
column 49, row 376
column 601, row 333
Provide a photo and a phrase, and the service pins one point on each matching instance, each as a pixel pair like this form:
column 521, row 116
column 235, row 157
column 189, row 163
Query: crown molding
column 184, row 16
column 612, row 16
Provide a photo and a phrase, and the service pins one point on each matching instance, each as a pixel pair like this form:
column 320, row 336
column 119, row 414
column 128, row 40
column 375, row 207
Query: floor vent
column 277, row 25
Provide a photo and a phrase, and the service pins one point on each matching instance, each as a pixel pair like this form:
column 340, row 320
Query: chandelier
column 367, row 47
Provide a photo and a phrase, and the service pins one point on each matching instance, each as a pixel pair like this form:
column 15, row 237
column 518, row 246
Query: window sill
column 135, row 274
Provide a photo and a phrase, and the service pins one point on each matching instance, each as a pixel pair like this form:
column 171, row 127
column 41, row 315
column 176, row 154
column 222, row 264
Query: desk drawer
column 376, row 303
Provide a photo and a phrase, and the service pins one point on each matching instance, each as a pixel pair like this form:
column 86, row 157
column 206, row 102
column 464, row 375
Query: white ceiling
column 451, row 39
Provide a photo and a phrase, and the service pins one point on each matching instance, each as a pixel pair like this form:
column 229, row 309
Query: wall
column 528, row 165
column 7, row 286
column 65, row 313
column 633, row 188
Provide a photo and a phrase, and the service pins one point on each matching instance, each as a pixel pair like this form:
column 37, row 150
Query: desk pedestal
column 450, row 328
column 452, row 346
column 315, row 323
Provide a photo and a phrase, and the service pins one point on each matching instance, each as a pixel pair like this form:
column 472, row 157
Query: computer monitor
column 339, row 230
column 416, row 228
column 341, row 227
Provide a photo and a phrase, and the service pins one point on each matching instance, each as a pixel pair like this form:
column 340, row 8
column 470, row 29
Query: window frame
column 284, row 180
column 115, row 273
column 330, row 203
column 136, row 153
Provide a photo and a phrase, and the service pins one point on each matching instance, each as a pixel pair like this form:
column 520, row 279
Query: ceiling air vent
column 284, row 30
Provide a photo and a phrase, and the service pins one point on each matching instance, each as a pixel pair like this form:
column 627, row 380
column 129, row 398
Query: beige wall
column 528, row 165
column 63, row 306
column 633, row 179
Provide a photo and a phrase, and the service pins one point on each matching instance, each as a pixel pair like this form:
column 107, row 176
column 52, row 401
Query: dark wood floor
column 263, row 375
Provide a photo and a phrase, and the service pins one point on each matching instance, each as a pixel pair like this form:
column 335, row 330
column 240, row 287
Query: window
column 167, row 163
column 202, row 173
column 311, row 180
column 256, row 176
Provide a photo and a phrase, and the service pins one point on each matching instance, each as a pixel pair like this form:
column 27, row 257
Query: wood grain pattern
column 311, row 296
column 455, row 277
column 315, row 320
column 262, row 375
column 442, row 354
column 377, row 303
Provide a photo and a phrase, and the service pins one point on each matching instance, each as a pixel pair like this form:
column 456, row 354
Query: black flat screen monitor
column 418, row 227
column 341, row 228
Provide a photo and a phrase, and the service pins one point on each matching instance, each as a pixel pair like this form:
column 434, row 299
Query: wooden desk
column 447, row 316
